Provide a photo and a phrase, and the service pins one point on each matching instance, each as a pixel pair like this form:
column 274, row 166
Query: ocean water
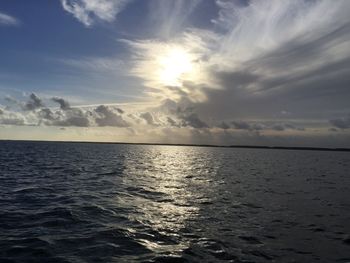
column 75, row 202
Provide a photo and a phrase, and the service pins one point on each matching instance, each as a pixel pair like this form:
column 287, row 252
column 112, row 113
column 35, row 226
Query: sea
column 90, row 202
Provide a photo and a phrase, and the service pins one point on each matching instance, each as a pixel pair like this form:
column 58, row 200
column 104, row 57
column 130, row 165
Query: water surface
column 71, row 202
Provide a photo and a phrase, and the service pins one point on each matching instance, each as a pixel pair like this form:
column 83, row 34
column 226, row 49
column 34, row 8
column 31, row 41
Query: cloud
column 148, row 118
column 120, row 111
column 172, row 69
column 89, row 11
column 12, row 121
column 223, row 125
column 46, row 114
column 248, row 70
column 241, row 125
column 10, row 101
column 171, row 122
column 170, row 17
column 11, row 118
column 179, row 114
column 34, row 112
column 33, row 103
column 260, row 126
column 8, row 20
column 107, row 117
column 179, row 124
column 341, row 123
column 65, row 116
column 94, row 64
column 191, row 119
column 299, row 70
column 259, row 59
column 64, row 105
column 76, row 120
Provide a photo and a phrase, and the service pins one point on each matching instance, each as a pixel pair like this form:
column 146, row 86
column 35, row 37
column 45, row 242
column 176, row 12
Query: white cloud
column 88, row 11
column 170, row 17
column 8, row 20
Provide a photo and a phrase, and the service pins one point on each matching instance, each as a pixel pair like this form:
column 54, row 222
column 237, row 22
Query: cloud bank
column 169, row 122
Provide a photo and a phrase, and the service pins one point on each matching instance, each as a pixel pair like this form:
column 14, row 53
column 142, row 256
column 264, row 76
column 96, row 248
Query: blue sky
column 31, row 51
column 181, row 71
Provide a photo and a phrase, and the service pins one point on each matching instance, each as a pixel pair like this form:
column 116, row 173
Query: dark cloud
column 224, row 125
column 119, row 110
column 46, row 114
column 238, row 79
column 278, row 127
column 33, row 103
column 258, row 126
column 12, row 121
column 193, row 120
column 309, row 75
column 148, row 118
column 241, row 125
column 77, row 121
column 107, row 117
column 176, row 115
column 64, row 105
column 167, row 106
column 67, row 117
column 171, row 122
column 341, row 123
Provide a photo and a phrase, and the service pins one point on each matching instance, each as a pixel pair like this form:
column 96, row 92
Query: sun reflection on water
column 165, row 186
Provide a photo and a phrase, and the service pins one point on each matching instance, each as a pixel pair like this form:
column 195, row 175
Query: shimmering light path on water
column 71, row 202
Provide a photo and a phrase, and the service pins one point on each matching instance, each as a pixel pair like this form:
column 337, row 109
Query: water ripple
column 75, row 203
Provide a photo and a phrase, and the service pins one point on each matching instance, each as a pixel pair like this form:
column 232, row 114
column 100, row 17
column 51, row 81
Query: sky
column 228, row 72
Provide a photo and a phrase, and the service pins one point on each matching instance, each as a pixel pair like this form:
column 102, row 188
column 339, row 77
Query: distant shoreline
column 195, row 145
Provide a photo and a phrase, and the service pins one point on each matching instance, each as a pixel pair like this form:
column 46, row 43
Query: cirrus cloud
column 88, row 11
column 8, row 20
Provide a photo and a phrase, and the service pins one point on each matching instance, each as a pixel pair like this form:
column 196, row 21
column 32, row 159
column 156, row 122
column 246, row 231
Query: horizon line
column 309, row 148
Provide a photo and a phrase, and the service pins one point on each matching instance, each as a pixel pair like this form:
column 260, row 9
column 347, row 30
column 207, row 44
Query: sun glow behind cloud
column 168, row 69
column 175, row 64
column 244, row 42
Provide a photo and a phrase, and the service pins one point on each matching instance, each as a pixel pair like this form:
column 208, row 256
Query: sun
column 173, row 66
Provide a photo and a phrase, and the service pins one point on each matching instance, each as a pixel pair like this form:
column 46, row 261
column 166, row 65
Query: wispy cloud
column 88, row 11
column 170, row 17
column 256, row 60
column 94, row 64
column 8, row 20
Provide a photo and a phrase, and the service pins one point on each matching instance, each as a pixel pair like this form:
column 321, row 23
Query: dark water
column 64, row 202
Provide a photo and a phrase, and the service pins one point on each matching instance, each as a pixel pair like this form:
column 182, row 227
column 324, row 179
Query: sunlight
column 173, row 66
